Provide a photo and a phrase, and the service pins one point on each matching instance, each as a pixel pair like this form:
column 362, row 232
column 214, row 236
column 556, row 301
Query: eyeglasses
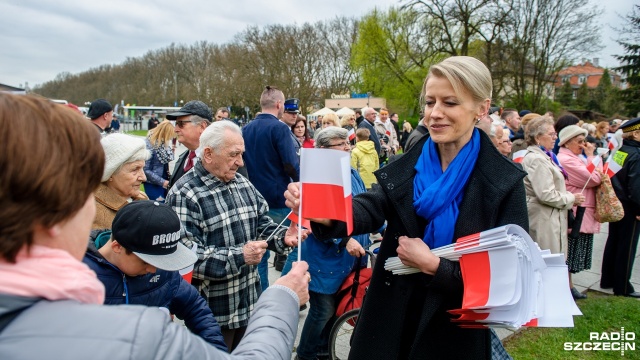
column 553, row 134
column 580, row 141
column 344, row 144
column 181, row 123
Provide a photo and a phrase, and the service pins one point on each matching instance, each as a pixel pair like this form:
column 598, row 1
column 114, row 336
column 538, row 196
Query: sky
column 41, row 38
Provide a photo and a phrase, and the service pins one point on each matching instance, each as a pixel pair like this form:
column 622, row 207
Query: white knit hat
column 120, row 149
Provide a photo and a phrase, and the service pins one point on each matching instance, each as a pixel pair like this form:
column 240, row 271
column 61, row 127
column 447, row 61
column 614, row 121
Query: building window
column 575, row 94
column 582, row 79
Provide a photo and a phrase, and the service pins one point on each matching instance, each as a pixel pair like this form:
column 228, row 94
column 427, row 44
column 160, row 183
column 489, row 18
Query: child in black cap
column 138, row 263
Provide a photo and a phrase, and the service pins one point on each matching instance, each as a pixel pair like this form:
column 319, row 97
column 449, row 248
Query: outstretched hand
column 291, row 236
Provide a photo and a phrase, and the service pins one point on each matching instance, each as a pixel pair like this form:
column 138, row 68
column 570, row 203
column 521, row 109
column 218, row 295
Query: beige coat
column 108, row 202
column 547, row 201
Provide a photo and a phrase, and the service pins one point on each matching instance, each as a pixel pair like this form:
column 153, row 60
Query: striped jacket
column 220, row 218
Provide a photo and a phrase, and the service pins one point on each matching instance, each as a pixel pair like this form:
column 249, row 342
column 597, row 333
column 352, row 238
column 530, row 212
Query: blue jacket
column 329, row 262
column 155, row 171
column 163, row 289
column 270, row 158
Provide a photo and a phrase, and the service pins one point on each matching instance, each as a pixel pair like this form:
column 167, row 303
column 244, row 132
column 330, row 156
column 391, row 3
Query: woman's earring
column 477, row 120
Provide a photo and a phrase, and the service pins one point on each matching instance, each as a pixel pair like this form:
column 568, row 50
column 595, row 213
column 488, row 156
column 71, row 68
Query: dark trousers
column 619, row 253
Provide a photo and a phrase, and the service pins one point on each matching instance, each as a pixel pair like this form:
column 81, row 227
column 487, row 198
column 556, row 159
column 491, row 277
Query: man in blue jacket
column 271, row 160
column 138, row 263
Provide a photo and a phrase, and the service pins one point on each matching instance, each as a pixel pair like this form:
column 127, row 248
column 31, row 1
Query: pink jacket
column 578, row 176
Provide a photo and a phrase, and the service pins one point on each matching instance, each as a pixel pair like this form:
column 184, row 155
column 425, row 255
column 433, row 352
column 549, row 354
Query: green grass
column 137, row 132
column 601, row 313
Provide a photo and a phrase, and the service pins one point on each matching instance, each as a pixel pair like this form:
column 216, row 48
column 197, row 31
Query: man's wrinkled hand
column 297, row 280
column 291, row 236
column 253, row 251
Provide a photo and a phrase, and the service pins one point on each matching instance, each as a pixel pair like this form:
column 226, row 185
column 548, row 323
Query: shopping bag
column 608, row 206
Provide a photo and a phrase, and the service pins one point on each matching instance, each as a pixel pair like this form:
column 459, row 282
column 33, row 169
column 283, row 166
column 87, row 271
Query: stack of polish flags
column 508, row 281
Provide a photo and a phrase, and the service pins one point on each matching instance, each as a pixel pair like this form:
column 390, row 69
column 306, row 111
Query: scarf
column 437, row 195
column 554, row 158
column 52, row 274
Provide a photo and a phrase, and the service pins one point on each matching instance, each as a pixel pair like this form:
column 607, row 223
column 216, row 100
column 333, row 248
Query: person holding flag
column 454, row 184
column 349, row 122
column 622, row 243
column 582, row 178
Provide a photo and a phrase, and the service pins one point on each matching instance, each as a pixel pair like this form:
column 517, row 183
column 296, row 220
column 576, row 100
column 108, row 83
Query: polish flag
column 294, row 218
column 187, row 273
column 325, row 177
column 351, row 134
column 594, row 163
column 489, row 277
column 613, row 142
column 518, row 156
column 611, row 167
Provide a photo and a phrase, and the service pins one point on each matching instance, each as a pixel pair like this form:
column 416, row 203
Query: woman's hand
column 292, row 201
column 354, row 248
column 589, row 149
column 415, row 253
column 579, row 199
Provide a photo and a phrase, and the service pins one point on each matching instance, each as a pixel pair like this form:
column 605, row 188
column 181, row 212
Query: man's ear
column 207, row 155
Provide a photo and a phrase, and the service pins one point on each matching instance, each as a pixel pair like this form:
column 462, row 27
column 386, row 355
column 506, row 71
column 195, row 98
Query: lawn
column 137, row 132
column 602, row 313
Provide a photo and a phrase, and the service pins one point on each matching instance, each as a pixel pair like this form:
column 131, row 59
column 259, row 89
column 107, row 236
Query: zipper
column 126, row 289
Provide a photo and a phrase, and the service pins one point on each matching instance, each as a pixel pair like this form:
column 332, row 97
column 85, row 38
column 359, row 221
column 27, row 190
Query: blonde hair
column 407, row 126
column 331, row 117
column 344, row 121
column 466, row 74
column 162, row 133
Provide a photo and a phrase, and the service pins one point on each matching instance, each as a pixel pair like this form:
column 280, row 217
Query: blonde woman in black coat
column 405, row 316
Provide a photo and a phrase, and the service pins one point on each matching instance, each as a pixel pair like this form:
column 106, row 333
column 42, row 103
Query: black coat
column 404, row 317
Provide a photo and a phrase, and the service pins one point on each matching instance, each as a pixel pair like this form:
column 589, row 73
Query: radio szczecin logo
column 605, row 341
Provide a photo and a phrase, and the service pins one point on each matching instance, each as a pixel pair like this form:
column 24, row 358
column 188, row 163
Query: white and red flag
column 518, row 156
column 325, row 191
column 351, row 134
column 594, row 163
column 187, row 273
column 611, row 167
column 613, row 141
column 295, row 219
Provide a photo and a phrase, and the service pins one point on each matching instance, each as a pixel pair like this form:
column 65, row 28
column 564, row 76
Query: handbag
column 351, row 292
column 608, row 206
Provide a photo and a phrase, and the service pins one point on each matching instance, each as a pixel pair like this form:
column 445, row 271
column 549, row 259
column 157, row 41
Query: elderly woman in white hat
column 123, row 173
column 572, row 145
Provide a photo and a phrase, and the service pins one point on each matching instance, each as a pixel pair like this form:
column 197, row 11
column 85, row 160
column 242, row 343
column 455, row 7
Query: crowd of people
column 194, row 241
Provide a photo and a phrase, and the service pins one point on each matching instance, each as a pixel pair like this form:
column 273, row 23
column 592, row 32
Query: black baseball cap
column 98, row 108
column 193, row 107
column 151, row 230
column 291, row 106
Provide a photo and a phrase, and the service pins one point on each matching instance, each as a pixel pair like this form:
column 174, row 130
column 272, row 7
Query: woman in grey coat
column 50, row 302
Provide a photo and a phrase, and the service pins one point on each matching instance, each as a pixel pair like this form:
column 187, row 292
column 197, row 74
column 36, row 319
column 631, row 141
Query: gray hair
column 494, row 124
column 331, row 133
column 591, row 129
column 214, row 135
column 197, row 119
column 536, row 127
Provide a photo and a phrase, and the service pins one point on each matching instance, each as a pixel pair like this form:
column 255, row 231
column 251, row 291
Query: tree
column 564, row 95
column 392, row 56
column 630, row 41
column 583, row 96
column 545, row 36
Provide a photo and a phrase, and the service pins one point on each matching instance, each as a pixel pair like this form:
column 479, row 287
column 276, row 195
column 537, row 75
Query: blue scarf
column 554, row 158
column 437, row 195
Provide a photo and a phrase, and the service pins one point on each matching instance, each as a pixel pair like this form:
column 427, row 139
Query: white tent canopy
column 323, row 112
column 345, row 111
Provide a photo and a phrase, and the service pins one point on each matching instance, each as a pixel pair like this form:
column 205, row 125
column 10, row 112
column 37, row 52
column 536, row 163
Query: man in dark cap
column 191, row 120
column 622, row 243
column 101, row 113
column 291, row 112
